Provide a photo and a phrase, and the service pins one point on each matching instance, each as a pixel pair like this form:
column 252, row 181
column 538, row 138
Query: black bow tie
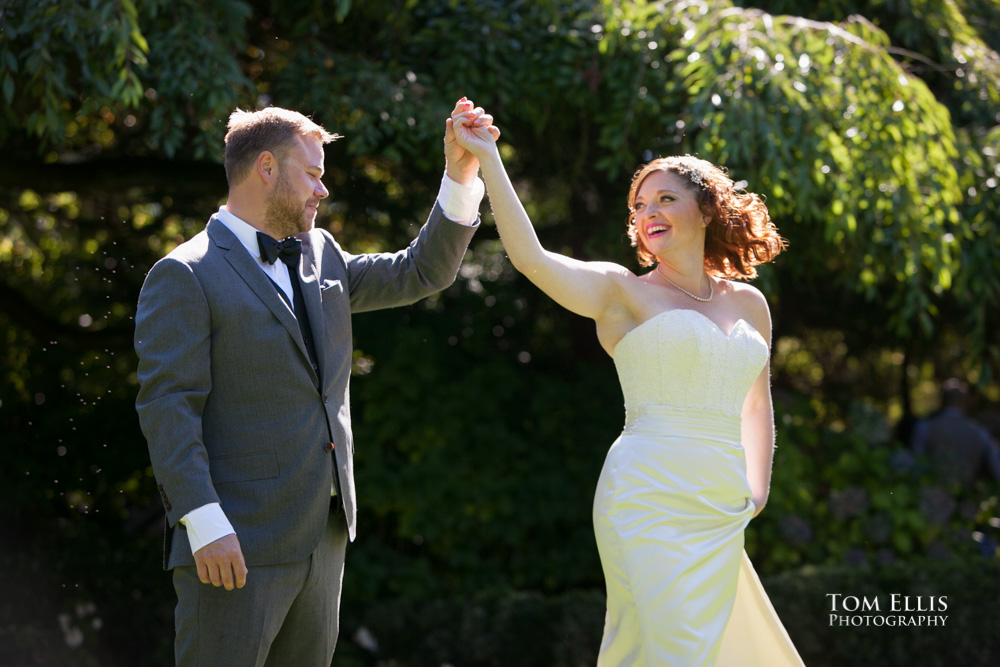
column 287, row 250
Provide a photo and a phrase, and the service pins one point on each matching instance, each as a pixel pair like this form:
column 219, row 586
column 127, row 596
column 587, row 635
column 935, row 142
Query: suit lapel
column 309, row 281
column 258, row 282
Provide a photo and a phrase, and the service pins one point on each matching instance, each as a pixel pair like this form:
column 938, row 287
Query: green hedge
column 519, row 629
column 529, row 630
column 971, row 588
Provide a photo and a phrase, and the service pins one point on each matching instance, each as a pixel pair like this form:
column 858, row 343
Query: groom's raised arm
column 432, row 260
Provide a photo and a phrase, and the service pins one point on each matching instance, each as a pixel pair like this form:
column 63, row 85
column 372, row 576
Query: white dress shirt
column 459, row 203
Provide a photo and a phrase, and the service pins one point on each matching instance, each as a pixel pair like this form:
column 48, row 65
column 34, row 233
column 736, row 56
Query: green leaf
column 8, row 88
column 343, row 8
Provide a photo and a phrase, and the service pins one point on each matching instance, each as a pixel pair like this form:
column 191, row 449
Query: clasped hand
column 469, row 134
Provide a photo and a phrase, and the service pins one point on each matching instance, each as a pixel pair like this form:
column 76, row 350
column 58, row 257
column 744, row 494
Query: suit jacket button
column 329, row 446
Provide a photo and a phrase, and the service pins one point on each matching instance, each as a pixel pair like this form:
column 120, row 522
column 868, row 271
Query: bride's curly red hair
column 740, row 234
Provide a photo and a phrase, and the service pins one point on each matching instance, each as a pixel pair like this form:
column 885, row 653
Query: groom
column 244, row 341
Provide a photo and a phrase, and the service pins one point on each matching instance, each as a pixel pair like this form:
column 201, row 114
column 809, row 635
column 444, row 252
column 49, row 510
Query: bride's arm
column 590, row 289
column 758, row 415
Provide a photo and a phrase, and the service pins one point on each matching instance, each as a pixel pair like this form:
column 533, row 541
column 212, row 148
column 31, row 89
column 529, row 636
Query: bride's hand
column 471, row 129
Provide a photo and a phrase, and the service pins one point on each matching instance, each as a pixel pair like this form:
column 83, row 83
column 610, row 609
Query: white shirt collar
column 244, row 231
column 247, row 235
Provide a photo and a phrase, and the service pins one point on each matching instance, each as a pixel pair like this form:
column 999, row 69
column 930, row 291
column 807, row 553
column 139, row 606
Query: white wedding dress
column 673, row 500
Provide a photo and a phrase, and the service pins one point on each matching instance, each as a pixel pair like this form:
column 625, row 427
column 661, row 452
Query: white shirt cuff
column 460, row 203
column 206, row 524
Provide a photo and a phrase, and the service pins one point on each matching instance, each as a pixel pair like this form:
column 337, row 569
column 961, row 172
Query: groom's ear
column 267, row 167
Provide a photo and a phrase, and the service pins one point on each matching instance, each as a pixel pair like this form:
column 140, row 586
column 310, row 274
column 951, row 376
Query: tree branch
column 177, row 178
column 21, row 310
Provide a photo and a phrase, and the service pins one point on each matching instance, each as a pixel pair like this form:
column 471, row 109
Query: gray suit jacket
column 230, row 405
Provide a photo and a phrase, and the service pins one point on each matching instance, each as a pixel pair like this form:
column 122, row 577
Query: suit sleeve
column 428, row 265
column 173, row 342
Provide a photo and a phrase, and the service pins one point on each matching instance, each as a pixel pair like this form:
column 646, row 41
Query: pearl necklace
column 711, row 287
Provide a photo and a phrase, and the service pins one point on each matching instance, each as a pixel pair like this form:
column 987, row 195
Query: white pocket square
column 328, row 284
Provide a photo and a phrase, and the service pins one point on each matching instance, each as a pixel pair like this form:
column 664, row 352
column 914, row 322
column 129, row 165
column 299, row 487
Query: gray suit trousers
column 287, row 614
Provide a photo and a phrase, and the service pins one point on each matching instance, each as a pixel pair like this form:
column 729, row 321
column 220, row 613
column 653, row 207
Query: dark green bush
column 533, row 630
column 968, row 638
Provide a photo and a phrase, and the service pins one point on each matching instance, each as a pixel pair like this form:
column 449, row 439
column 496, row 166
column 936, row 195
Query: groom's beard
column 284, row 215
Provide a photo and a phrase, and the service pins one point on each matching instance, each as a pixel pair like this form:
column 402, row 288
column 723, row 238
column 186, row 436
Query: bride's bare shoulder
column 750, row 304
column 743, row 290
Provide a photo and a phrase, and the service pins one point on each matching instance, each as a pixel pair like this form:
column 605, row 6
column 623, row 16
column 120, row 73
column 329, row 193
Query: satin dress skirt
column 669, row 513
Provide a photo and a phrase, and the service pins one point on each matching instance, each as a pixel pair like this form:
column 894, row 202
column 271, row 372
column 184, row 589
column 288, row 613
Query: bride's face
column 667, row 215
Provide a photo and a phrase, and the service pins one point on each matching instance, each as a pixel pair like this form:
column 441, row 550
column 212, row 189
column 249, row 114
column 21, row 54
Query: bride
column 693, row 463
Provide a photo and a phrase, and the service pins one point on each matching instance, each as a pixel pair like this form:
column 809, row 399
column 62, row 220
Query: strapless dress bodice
column 682, row 359
column 674, row 498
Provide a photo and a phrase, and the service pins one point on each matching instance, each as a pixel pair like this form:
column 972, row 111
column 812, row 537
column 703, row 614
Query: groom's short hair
column 272, row 129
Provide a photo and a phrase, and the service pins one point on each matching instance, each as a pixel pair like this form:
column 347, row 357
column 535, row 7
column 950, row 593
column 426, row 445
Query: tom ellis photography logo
column 894, row 610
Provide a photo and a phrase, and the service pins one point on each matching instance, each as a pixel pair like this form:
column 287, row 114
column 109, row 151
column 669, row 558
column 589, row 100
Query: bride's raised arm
column 591, row 289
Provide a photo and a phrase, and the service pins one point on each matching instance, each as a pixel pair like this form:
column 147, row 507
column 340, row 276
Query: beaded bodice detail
column 680, row 358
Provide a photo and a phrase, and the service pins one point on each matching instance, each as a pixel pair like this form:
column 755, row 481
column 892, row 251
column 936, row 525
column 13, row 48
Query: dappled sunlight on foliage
column 847, row 496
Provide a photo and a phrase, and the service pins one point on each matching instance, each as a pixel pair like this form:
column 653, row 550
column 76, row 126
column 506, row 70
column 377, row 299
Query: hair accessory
column 693, row 175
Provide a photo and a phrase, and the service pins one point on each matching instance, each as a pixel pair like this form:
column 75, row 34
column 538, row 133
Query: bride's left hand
column 471, row 129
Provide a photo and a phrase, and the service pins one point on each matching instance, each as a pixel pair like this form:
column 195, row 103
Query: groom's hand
column 461, row 164
column 221, row 563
